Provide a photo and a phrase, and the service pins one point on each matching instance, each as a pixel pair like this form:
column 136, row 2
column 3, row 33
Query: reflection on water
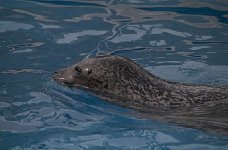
column 70, row 37
column 183, row 41
column 13, row 26
column 15, row 47
column 35, row 16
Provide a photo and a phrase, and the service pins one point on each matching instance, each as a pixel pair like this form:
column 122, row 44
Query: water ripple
column 183, row 41
column 22, row 71
column 13, row 26
column 197, row 11
column 15, row 47
column 70, row 37
column 68, row 3
column 37, row 17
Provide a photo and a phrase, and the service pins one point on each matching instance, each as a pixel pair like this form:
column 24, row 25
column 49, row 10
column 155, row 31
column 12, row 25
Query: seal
column 122, row 81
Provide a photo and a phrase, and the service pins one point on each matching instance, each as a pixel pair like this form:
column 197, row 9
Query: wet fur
column 120, row 80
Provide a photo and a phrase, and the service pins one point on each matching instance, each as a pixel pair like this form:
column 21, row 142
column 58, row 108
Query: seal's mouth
column 61, row 78
column 57, row 77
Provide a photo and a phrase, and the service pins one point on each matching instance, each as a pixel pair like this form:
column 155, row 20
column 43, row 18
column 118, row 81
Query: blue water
column 184, row 41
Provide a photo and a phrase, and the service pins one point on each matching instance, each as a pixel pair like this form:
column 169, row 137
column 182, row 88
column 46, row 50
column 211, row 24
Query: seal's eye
column 78, row 69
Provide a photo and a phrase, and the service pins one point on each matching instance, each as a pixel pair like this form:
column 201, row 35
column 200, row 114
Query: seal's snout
column 57, row 76
column 64, row 76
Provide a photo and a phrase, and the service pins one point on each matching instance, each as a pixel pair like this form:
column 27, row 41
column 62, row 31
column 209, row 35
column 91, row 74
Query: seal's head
column 99, row 73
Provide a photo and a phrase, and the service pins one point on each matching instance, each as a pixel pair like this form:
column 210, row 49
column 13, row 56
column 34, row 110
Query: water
column 184, row 41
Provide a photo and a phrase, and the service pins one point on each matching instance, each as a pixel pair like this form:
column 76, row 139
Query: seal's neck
column 177, row 94
column 151, row 91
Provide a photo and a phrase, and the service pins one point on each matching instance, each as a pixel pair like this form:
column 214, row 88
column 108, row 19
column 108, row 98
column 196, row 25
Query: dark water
column 184, row 41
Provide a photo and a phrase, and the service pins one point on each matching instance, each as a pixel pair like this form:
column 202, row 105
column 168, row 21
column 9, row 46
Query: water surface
column 183, row 41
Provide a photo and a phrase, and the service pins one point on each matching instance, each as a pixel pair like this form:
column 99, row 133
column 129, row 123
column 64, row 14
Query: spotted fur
column 122, row 81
